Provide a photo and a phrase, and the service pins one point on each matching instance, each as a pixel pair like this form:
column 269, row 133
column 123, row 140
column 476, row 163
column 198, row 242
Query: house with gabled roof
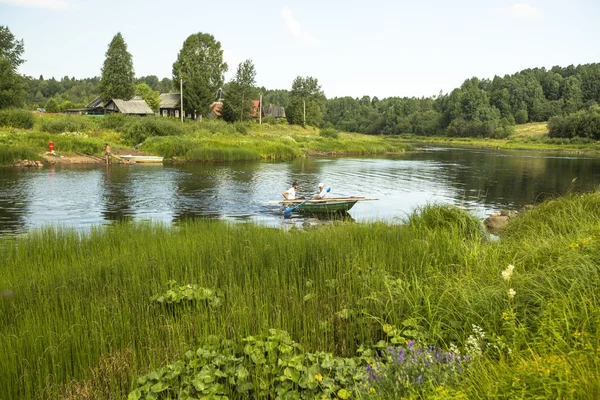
column 135, row 106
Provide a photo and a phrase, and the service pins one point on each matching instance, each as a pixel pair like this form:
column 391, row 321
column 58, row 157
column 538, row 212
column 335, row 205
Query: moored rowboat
column 143, row 159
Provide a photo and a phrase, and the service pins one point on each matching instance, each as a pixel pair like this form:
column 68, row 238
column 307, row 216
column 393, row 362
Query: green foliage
column 52, row 106
column 16, row 118
column 11, row 49
column 12, row 86
column 139, row 129
column 332, row 289
column 115, row 121
column 584, row 124
column 149, row 95
column 437, row 218
column 117, row 81
column 189, row 294
column 330, row 133
column 9, row 155
column 307, row 102
column 240, row 94
column 78, row 91
column 66, row 124
column 258, row 367
column 477, row 108
column 521, row 117
column 200, row 64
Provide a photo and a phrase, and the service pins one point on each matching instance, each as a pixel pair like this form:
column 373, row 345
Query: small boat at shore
column 322, row 206
column 143, row 159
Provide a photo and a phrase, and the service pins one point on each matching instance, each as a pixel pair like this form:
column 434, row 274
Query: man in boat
column 322, row 192
column 290, row 194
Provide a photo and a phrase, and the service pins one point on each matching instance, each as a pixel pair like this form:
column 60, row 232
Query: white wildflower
column 511, row 293
column 507, row 273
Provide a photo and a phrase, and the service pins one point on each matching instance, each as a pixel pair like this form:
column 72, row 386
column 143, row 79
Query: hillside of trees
column 480, row 107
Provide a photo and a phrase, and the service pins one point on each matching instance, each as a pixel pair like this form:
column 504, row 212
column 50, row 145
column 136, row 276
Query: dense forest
column 480, row 107
column 57, row 95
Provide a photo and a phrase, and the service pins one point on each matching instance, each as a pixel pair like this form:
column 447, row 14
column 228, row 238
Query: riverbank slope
column 81, row 139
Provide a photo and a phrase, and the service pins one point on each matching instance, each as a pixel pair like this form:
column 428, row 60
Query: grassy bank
column 190, row 141
column 532, row 136
column 80, row 316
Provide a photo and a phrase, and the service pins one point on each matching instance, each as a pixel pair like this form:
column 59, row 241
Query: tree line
column 479, row 107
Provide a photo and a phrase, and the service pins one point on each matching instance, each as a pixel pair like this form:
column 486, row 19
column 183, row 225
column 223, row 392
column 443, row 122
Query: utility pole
column 260, row 110
column 181, row 97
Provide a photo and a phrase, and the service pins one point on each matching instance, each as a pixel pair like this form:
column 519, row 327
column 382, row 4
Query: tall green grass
column 76, row 319
column 8, row 155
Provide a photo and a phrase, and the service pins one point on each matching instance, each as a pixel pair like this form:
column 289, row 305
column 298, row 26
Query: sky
column 354, row 48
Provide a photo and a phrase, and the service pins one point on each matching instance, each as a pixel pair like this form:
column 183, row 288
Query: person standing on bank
column 322, row 192
column 107, row 152
column 290, row 194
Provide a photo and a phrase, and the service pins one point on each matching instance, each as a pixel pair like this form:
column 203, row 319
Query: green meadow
column 431, row 308
column 210, row 140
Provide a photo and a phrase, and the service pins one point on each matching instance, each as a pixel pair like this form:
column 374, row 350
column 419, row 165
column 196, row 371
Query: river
column 483, row 181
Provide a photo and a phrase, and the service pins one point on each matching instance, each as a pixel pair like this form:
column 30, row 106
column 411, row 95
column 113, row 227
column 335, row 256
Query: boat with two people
column 329, row 205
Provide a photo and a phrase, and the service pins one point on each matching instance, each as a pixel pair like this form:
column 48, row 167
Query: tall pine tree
column 117, row 80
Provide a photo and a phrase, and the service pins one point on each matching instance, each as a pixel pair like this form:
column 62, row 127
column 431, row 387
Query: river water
column 483, row 181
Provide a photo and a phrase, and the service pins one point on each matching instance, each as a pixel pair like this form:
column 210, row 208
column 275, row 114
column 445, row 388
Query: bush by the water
column 16, row 118
column 330, row 133
column 139, row 129
column 67, row 123
column 585, row 124
column 495, row 129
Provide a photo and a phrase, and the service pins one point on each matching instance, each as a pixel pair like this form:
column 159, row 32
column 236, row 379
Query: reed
column 8, row 155
column 77, row 319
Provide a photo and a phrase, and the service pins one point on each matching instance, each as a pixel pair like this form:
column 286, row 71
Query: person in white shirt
column 322, row 192
column 290, row 194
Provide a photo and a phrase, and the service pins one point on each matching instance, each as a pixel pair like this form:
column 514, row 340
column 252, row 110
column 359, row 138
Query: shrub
column 330, row 133
column 67, row 124
column 114, row 121
column 240, row 127
column 16, row 118
column 585, row 123
column 269, row 119
column 139, row 129
column 521, row 117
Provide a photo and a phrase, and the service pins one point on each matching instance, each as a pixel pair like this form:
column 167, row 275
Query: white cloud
column 522, row 11
column 295, row 29
column 48, row 4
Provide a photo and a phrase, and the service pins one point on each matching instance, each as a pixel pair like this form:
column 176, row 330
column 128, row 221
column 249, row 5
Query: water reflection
column 481, row 180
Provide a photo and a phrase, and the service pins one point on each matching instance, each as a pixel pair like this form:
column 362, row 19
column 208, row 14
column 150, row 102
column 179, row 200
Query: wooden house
column 170, row 105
